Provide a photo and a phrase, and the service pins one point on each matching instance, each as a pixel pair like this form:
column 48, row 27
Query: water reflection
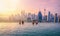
column 29, row 29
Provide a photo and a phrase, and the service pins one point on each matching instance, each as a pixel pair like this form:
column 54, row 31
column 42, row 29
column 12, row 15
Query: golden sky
column 8, row 7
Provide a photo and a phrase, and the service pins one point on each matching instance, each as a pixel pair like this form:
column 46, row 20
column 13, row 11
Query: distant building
column 23, row 15
column 40, row 16
column 45, row 18
column 29, row 17
column 52, row 18
column 34, row 17
column 56, row 18
column 59, row 20
column 49, row 16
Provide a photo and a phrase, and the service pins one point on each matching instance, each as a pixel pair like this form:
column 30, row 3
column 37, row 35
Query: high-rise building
column 52, row 18
column 49, row 16
column 56, row 18
column 45, row 18
column 33, row 16
column 59, row 18
column 29, row 17
column 23, row 15
column 40, row 16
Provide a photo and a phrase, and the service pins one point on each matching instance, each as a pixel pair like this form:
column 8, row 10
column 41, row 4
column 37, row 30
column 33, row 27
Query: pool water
column 28, row 29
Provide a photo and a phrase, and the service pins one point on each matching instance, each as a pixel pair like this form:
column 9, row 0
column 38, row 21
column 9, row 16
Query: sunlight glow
column 8, row 6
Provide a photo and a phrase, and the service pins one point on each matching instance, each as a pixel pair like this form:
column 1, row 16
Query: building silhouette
column 45, row 18
column 29, row 17
column 52, row 18
column 49, row 16
column 56, row 18
column 39, row 16
column 33, row 16
column 59, row 19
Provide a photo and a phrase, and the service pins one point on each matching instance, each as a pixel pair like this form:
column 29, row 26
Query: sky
column 9, row 7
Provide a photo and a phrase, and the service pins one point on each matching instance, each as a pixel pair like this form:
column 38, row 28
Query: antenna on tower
column 44, row 11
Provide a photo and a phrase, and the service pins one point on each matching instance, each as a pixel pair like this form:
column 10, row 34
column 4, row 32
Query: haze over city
column 29, row 17
column 9, row 7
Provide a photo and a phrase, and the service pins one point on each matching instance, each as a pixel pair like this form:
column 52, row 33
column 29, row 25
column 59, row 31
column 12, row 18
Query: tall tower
column 23, row 15
column 44, row 11
column 44, row 15
column 52, row 18
column 49, row 16
column 59, row 19
column 29, row 17
column 56, row 18
column 40, row 16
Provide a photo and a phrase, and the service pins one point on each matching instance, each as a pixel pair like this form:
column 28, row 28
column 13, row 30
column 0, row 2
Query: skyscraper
column 49, row 16
column 40, row 16
column 29, row 17
column 52, row 18
column 45, row 18
column 59, row 19
column 56, row 18
column 34, row 17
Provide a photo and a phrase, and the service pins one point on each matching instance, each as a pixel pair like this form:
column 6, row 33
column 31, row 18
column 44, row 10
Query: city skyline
column 29, row 17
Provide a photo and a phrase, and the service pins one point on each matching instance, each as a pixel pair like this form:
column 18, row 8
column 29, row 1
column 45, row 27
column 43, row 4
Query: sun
column 8, row 6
